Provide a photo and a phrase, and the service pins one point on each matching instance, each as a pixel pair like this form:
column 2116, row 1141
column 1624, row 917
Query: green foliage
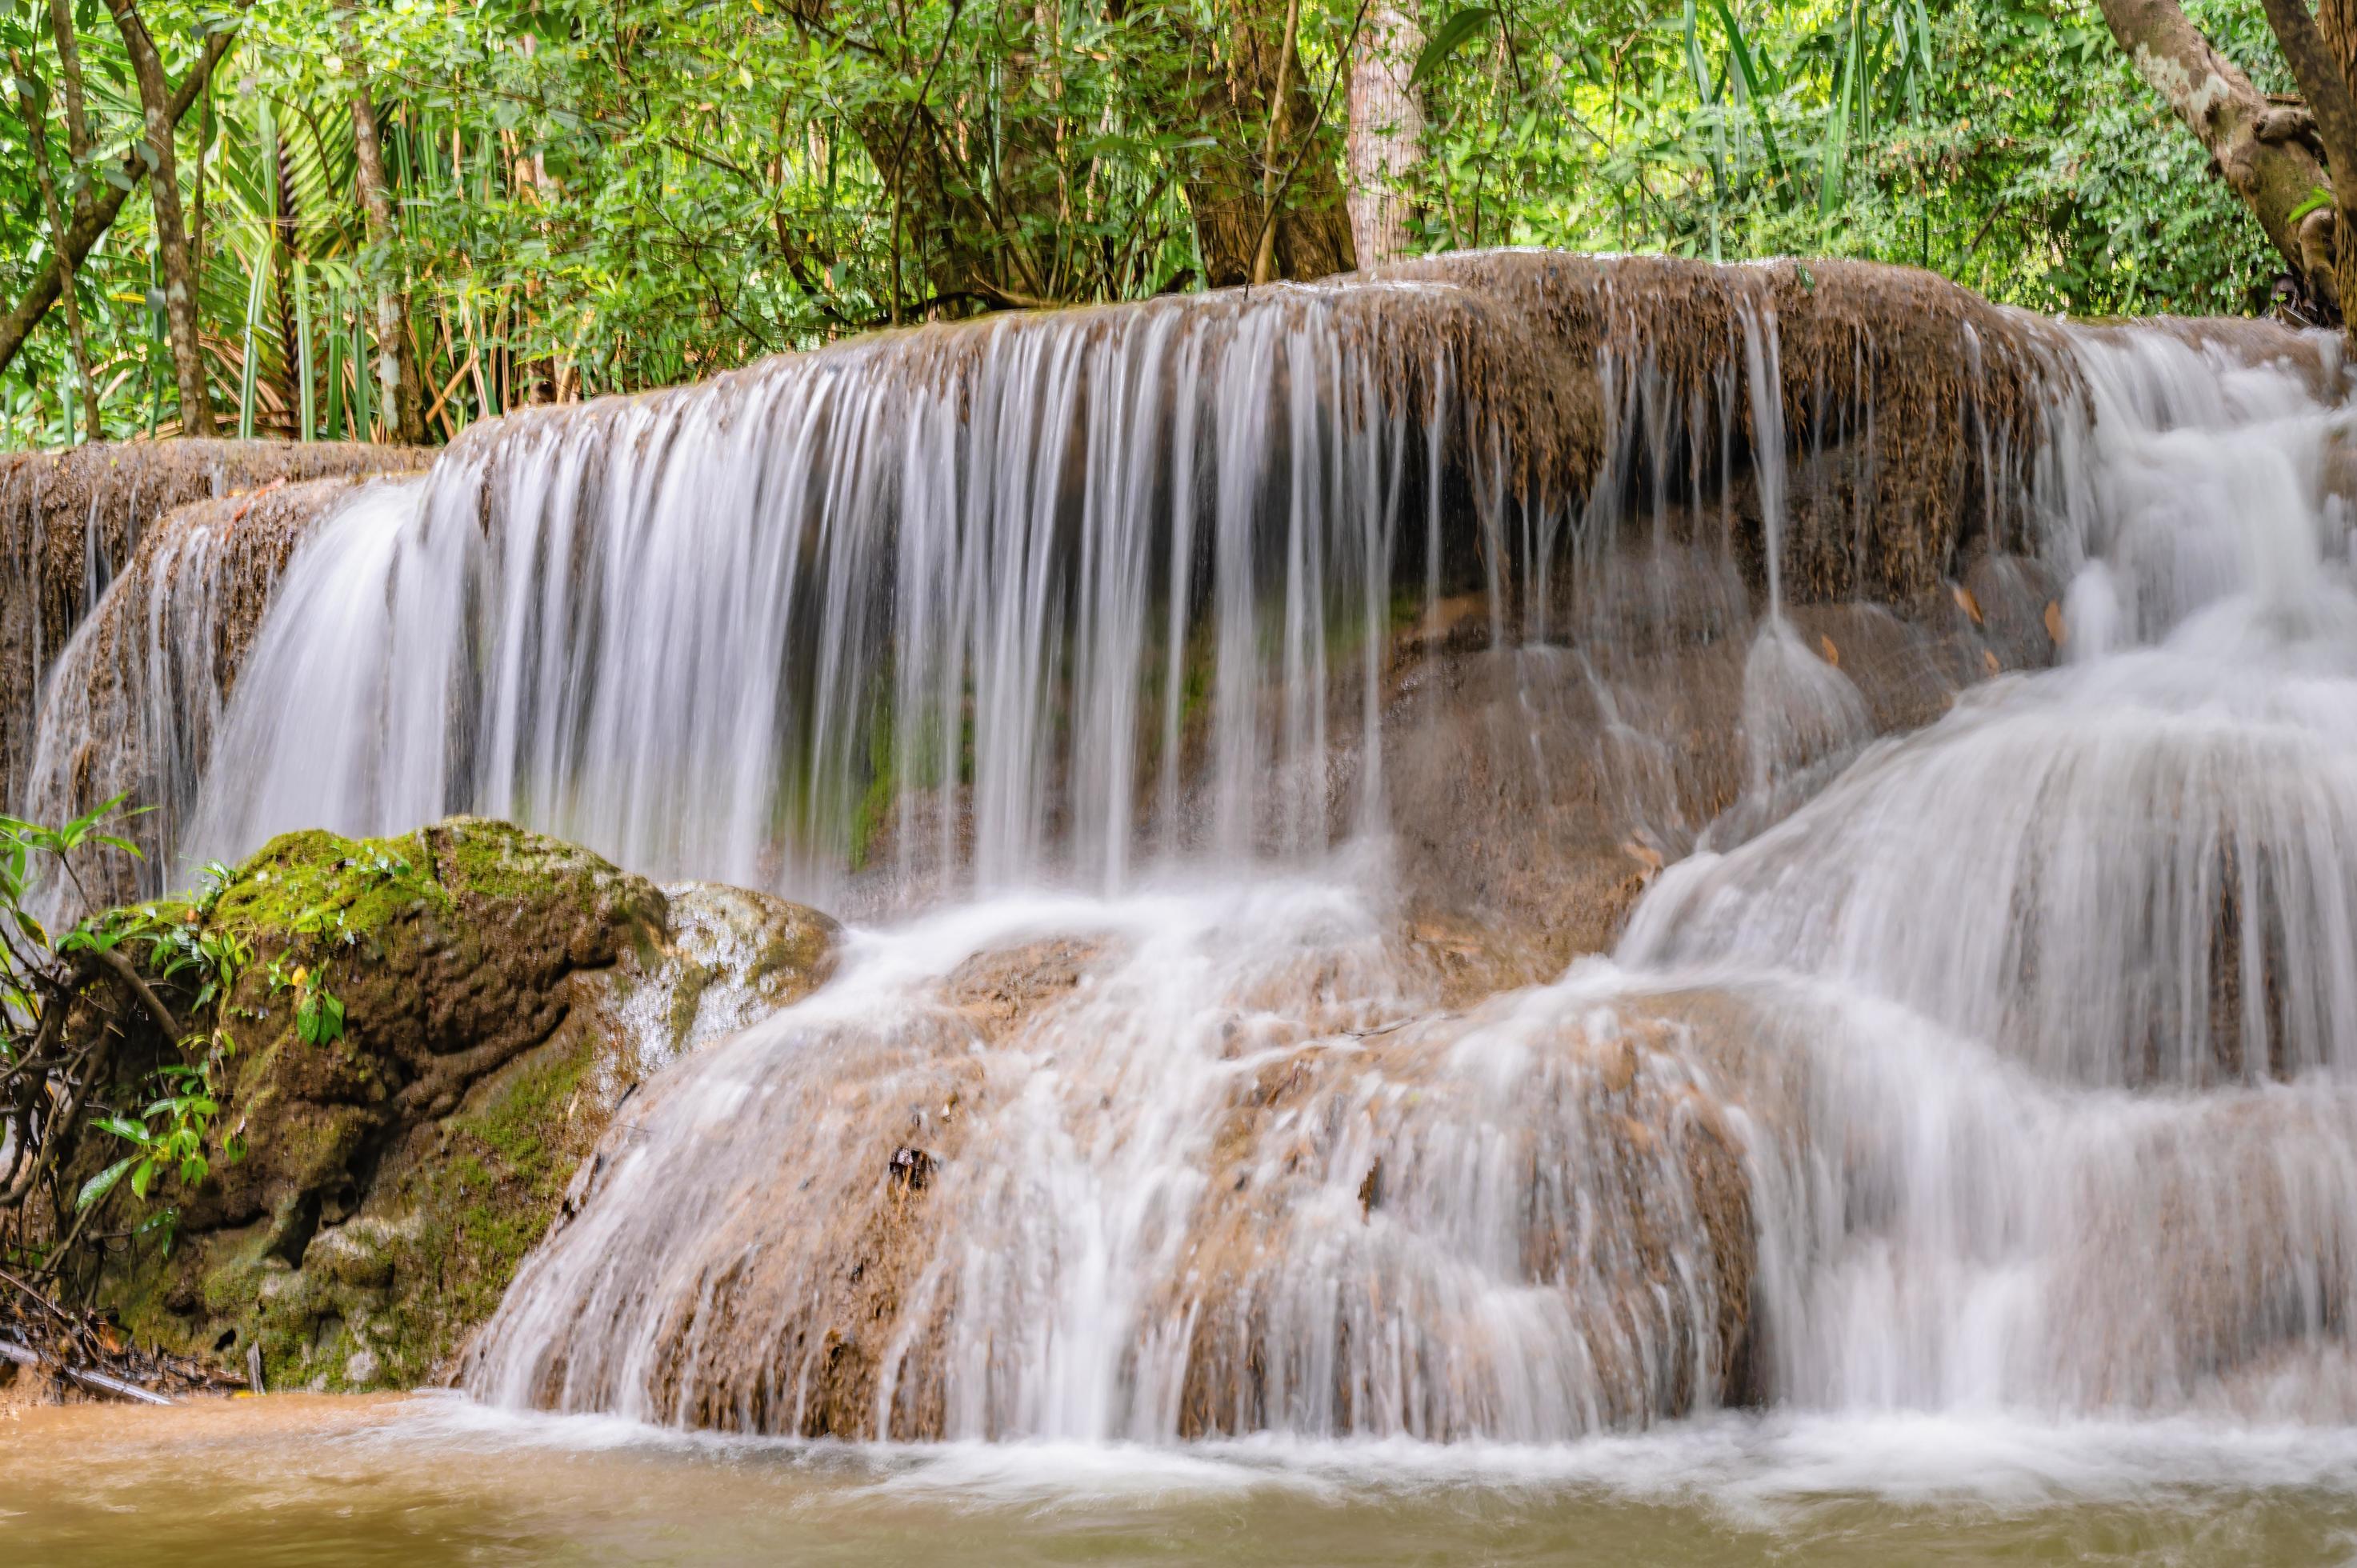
column 1449, row 37
column 170, row 1137
column 2004, row 143
column 608, row 195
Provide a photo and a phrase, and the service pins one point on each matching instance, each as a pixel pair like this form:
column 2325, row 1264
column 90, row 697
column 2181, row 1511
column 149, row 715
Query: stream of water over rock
column 1207, row 1065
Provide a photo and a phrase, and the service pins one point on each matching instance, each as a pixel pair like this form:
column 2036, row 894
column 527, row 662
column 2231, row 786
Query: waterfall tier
column 1245, row 720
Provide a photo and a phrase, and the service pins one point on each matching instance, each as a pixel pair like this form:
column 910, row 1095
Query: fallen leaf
column 1971, row 605
column 1833, row 654
column 2054, row 626
column 1989, row 656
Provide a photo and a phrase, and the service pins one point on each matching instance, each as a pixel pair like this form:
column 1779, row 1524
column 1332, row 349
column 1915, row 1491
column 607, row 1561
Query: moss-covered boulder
column 500, row 993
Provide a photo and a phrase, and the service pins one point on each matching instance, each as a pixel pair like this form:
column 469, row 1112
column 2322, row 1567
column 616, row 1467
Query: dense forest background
column 401, row 217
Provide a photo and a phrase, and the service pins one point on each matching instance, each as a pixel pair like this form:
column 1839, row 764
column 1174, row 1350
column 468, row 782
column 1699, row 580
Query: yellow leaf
column 1969, row 604
column 1989, row 656
column 2054, row 626
column 1833, row 654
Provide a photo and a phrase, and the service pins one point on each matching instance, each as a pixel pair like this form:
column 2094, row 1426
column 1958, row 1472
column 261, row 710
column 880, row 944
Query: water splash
column 2009, row 1069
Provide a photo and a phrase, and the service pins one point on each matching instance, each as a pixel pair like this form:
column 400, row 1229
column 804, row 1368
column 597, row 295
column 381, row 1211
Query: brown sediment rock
column 2211, row 1249
column 998, row 988
column 70, row 519
column 820, row 1310
column 141, row 682
column 1534, row 792
column 502, row 993
column 1630, row 1204
column 1911, row 407
column 849, row 1289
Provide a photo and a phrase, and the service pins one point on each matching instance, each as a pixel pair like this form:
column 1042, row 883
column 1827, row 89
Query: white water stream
column 2034, row 1032
column 2009, row 1065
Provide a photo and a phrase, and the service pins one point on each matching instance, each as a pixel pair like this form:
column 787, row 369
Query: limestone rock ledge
column 505, row 993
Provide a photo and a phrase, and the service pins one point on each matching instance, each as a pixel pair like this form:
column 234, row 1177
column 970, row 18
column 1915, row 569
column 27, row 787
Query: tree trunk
column 396, row 359
column 77, row 142
column 156, row 97
column 38, row 142
column 2319, row 50
column 1308, row 230
column 1386, row 133
column 2259, row 150
column 94, row 216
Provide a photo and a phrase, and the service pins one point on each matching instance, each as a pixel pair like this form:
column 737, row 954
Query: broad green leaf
column 1448, row 38
column 102, row 1183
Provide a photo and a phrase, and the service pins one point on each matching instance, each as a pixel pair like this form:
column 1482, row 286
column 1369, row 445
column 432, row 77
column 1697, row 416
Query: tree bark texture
column 1386, row 133
column 2258, row 148
column 171, row 228
column 38, row 142
column 396, row 368
column 1254, row 85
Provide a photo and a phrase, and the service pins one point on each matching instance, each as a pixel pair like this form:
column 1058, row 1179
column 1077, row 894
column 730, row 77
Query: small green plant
column 49, row 1085
column 167, row 1137
column 318, row 1012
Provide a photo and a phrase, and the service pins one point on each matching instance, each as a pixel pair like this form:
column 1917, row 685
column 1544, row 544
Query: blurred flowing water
column 1991, row 1085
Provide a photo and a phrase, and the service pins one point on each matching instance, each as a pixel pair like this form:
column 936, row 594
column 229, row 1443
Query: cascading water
column 701, row 647
column 1240, row 706
column 1069, row 595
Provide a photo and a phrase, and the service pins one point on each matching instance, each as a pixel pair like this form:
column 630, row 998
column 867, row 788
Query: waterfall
column 1074, row 594
column 1240, row 727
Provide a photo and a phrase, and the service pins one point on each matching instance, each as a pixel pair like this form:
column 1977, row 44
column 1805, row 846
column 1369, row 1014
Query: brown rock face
column 1376, row 1218
column 135, row 694
column 72, row 520
column 502, row 993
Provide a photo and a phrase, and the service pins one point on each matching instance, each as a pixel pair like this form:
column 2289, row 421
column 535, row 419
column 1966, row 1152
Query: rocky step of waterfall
column 498, row 995
column 72, row 520
column 1519, row 845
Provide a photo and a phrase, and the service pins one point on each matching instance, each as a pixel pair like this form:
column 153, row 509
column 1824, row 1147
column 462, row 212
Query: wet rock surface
column 70, row 521
column 503, row 993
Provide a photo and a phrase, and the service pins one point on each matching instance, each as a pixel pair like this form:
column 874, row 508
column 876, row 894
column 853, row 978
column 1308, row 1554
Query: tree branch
column 92, row 222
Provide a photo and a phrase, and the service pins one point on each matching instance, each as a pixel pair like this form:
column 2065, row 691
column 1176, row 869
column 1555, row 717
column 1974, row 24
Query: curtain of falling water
column 2009, row 1069
column 2012, row 1069
column 1507, row 1224
column 1019, row 596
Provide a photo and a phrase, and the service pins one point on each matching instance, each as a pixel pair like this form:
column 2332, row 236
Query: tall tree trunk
column 78, row 147
column 1386, row 133
column 286, row 247
column 2261, row 151
column 95, row 210
column 396, row 358
column 197, row 189
column 1237, row 195
column 160, row 122
column 70, row 80
column 2324, row 62
column 38, row 141
column 2334, row 110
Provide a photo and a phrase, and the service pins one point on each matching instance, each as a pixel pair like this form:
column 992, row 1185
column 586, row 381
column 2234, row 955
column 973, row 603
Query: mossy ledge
column 502, row 992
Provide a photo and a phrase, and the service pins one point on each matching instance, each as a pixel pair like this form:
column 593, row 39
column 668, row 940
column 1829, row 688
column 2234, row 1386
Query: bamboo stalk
column 246, row 370
column 303, row 346
column 362, row 423
column 335, row 339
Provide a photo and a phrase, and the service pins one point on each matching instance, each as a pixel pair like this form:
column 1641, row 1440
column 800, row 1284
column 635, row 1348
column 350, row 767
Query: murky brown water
column 434, row 1479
